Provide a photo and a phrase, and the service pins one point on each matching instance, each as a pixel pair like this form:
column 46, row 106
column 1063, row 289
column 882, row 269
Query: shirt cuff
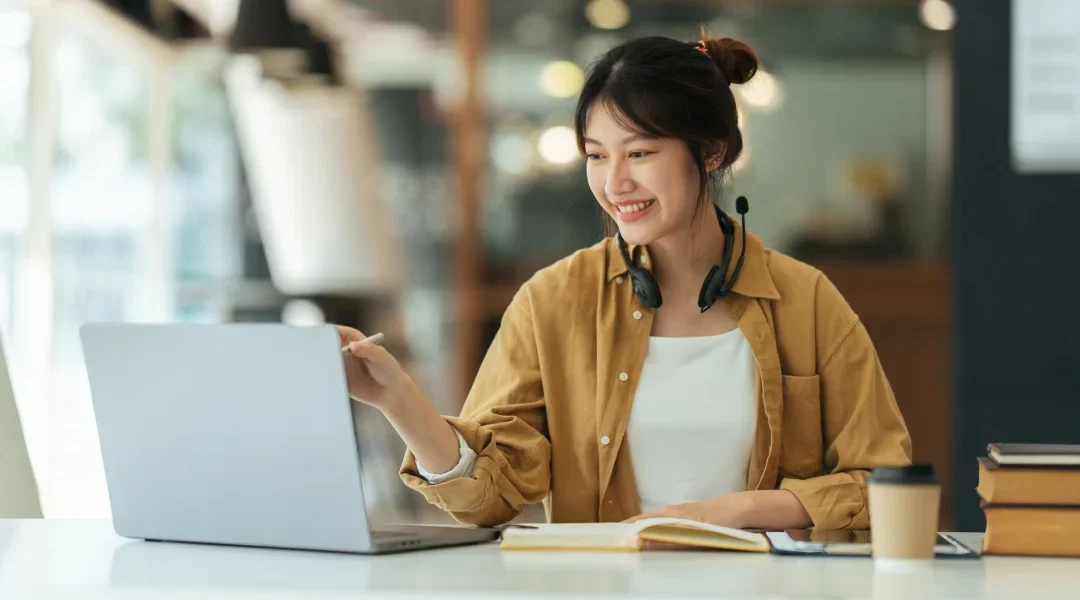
column 464, row 468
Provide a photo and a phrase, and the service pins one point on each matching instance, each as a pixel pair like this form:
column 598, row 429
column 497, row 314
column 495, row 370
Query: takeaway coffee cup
column 904, row 505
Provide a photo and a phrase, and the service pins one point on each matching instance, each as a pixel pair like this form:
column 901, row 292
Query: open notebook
column 630, row 536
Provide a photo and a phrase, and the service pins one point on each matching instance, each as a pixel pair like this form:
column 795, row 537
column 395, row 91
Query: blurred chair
column 18, row 489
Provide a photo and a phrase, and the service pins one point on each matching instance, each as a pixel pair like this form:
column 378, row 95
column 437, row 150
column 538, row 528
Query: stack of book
column 1031, row 498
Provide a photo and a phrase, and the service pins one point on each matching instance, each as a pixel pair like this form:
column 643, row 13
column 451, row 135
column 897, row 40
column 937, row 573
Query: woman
column 619, row 385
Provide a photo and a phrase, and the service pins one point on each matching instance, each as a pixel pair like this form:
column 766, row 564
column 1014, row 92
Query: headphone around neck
column 716, row 284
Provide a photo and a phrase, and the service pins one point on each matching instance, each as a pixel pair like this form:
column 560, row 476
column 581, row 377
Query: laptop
column 236, row 434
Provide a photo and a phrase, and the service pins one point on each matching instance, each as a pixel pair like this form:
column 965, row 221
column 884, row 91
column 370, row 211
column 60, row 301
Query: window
column 102, row 197
column 117, row 196
column 14, row 183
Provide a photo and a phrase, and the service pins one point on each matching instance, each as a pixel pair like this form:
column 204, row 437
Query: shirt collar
column 754, row 280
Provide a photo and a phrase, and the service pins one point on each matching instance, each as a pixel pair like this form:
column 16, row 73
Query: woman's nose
column 618, row 181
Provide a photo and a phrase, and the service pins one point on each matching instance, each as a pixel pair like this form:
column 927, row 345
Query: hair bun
column 735, row 59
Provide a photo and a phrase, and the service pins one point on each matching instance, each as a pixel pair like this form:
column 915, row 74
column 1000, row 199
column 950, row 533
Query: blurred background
column 404, row 165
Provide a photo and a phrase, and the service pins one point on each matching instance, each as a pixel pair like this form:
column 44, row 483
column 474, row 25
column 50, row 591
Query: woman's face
column 649, row 186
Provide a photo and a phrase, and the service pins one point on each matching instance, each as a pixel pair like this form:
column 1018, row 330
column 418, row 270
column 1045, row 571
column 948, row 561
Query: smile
column 627, row 209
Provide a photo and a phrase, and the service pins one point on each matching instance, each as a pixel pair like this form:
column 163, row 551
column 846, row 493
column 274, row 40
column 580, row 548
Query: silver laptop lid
column 233, row 434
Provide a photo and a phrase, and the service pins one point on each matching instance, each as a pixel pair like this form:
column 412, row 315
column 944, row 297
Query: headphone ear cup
column 711, row 288
column 646, row 288
column 716, row 284
column 642, row 281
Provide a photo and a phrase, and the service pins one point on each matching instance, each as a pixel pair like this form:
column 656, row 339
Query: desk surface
column 85, row 559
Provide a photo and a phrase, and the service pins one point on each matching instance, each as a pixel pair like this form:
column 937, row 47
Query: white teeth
column 633, row 208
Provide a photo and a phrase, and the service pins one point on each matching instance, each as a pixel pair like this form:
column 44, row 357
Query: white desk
column 85, row 559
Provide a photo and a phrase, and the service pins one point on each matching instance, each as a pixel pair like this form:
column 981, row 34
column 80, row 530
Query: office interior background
column 404, row 165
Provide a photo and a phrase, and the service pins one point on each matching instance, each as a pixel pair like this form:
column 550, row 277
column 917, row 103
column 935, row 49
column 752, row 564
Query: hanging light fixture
column 263, row 25
column 607, row 14
column 287, row 46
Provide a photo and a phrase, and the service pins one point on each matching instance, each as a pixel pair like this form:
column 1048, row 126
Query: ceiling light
column 561, row 79
column 763, row 92
column 302, row 313
column 607, row 14
column 938, row 15
column 558, row 145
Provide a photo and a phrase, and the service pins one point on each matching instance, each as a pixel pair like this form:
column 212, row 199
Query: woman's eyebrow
column 637, row 137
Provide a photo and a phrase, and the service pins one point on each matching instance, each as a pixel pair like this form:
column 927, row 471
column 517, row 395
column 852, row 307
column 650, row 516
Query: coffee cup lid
column 922, row 474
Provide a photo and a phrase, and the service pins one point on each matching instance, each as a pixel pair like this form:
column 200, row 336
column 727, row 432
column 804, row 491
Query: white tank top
column 692, row 423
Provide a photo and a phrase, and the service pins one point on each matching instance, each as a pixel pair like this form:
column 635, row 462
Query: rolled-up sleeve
column 862, row 429
column 504, row 421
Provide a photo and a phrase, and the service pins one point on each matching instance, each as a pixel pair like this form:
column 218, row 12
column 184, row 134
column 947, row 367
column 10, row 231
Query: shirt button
column 619, row 279
column 605, row 440
column 644, row 259
column 637, row 314
column 623, row 377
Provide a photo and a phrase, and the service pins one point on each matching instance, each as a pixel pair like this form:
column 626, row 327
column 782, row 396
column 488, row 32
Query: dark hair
column 667, row 88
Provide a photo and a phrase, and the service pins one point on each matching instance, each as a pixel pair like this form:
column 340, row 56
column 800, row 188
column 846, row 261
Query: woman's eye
column 639, row 153
column 593, row 156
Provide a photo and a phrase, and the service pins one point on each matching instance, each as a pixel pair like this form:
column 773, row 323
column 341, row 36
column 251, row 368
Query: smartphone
column 855, row 542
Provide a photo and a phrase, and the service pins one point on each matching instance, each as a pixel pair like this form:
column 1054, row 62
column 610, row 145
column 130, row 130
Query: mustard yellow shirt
column 548, row 411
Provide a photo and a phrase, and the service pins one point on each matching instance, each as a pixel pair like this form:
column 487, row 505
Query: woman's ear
column 715, row 157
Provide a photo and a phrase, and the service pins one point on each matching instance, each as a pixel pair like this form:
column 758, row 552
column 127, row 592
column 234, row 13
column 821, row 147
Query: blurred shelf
column 892, row 291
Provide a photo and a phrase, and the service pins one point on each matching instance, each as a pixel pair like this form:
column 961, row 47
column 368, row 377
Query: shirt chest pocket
column 801, row 449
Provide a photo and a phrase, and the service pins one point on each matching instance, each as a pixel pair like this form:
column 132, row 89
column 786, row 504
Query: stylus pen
column 374, row 339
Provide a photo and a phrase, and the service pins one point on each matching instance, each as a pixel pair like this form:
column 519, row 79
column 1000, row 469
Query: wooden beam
column 110, row 29
column 469, row 26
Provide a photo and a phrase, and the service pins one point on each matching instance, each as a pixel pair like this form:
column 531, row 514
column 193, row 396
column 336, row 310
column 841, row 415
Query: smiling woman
column 608, row 405
column 649, row 114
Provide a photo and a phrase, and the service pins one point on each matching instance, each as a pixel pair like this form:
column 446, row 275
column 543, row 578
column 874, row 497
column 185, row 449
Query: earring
column 716, row 157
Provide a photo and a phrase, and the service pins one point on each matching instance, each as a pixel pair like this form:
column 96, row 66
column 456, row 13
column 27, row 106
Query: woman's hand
column 773, row 510
column 373, row 375
column 726, row 511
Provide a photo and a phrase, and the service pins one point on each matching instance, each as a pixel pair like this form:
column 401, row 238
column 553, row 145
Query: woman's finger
column 348, row 335
column 375, row 353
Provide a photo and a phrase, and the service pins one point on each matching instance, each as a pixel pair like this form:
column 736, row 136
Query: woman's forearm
column 430, row 438
column 774, row 510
